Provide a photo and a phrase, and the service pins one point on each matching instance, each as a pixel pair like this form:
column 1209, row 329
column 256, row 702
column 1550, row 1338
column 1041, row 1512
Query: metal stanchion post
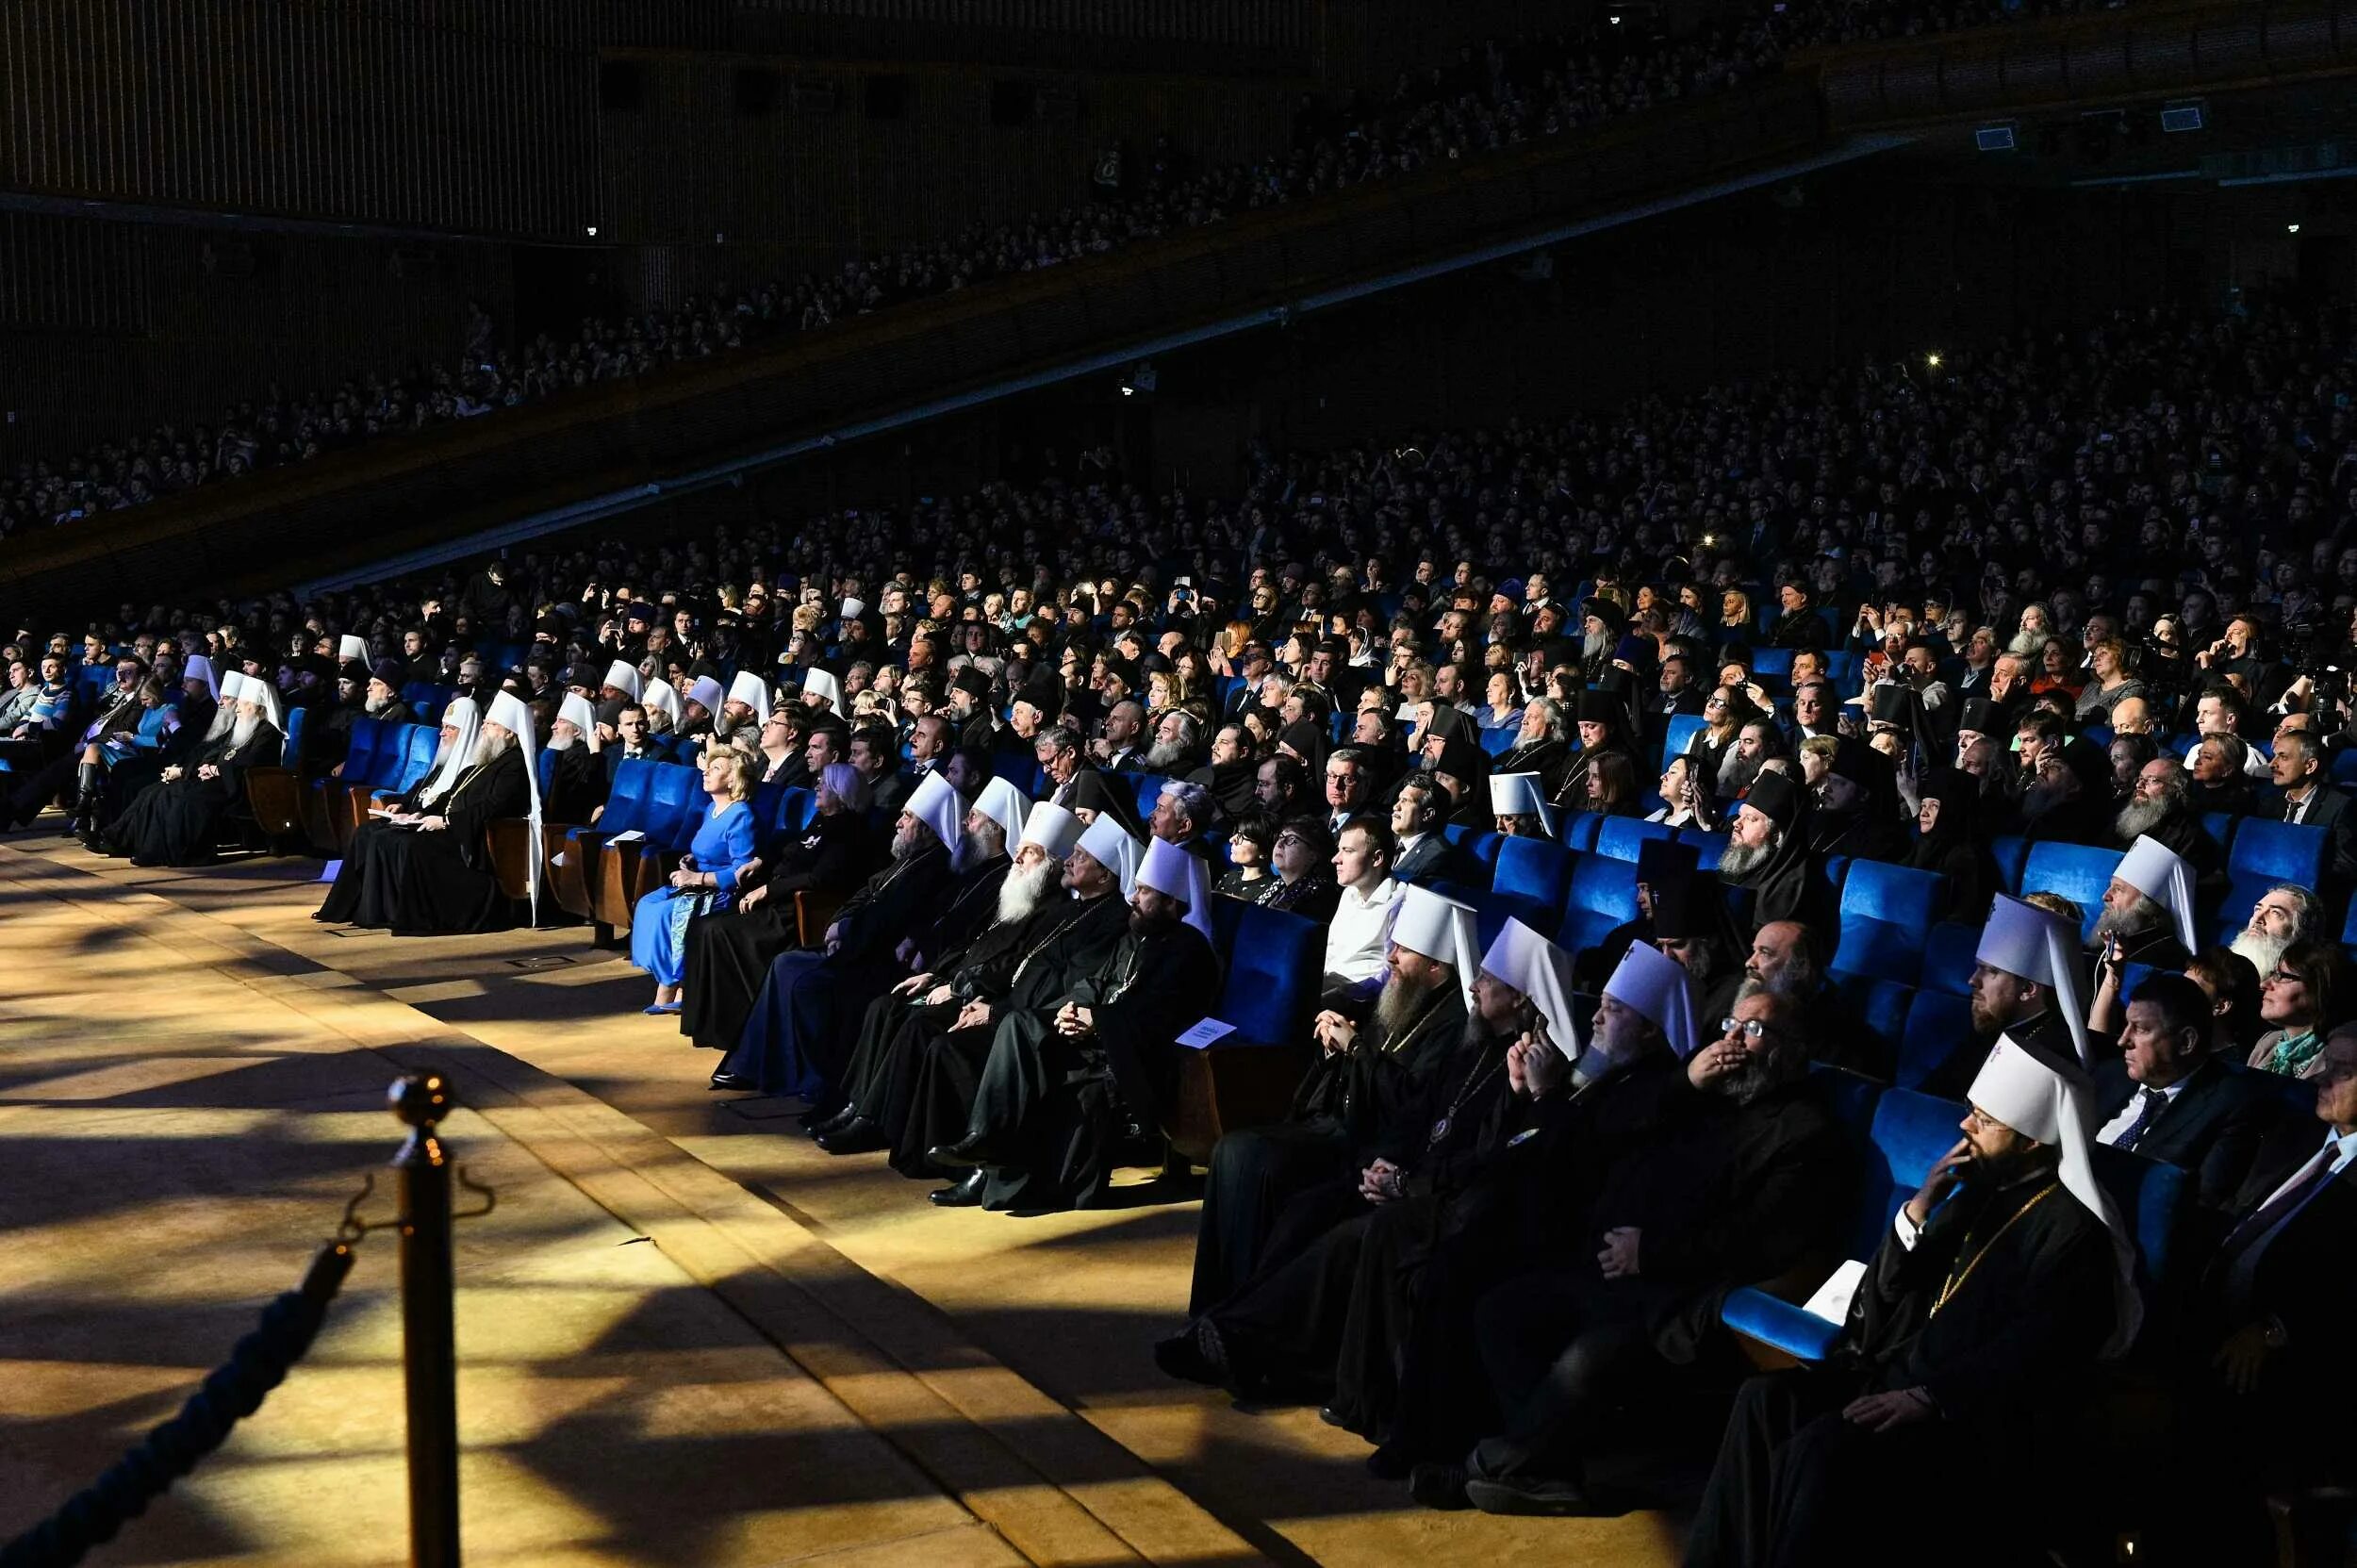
column 429, row 1340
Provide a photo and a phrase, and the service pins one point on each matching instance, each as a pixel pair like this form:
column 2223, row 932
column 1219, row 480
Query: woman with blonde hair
column 707, row 878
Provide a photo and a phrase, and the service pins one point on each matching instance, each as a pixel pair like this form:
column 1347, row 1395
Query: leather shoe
column 965, row 1151
column 816, row 1122
column 965, row 1194
column 1441, row 1486
column 858, row 1135
column 733, row 1080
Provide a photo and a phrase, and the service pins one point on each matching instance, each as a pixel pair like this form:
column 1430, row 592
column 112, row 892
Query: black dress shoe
column 826, row 1119
column 1332, row 1417
column 1181, row 1357
column 856, row 1135
column 965, row 1194
column 1441, row 1486
column 733, row 1080
column 965, row 1151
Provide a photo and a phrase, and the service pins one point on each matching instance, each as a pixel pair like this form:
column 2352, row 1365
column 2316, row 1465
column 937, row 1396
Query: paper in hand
column 1832, row 1300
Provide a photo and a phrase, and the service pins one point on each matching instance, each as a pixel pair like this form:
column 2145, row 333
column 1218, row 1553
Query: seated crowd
column 1996, row 789
column 1501, row 95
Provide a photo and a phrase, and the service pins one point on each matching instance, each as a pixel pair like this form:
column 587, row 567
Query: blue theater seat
column 1275, row 963
column 1950, row 956
column 290, row 756
column 1622, row 836
column 1679, row 735
column 1577, row 829
column 2264, row 854
column 1880, row 1007
column 1708, row 847
column 1150, row 792
column 2076, row 872
column 1937, row 1022
column 1532, row 878
column 2219, row 826
column 1498, row 742
column 1887, row 915
column 1772, row 662
column 1480, row 847
column 2010, row 851
column 1842, row 669
column 1910, row 1133
column 1603, row 895
column 546, row 769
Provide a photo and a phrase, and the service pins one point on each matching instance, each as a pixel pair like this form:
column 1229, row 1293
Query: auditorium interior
column 1317, row 781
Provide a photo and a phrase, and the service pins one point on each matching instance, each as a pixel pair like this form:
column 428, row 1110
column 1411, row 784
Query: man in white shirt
column 1360, row 935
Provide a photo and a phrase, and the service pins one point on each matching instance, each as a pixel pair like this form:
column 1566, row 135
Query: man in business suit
column 1425, row 856
column 2167, row 1097
column 2311, row 800
column 2277, row 1301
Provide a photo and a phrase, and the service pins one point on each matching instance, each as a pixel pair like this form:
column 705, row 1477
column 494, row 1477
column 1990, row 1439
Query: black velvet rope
column 234, row 1391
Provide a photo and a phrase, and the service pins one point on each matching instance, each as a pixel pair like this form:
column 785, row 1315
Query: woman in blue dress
column 706, row 878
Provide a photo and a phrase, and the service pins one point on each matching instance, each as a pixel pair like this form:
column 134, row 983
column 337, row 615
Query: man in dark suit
column 2310, row 800
column 2164, row 1097
column 2276, row 1303
column 1425, row 856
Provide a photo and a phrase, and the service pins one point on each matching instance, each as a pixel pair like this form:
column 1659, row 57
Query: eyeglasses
column 2281, row 976
column 1292, row 838
column 1750, row 1028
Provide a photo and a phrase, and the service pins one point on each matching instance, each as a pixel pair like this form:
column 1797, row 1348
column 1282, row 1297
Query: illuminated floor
column 686, row 1337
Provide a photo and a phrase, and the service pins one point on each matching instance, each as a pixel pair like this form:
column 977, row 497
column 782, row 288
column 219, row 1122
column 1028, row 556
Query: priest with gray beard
column 2285, row 915
column 878, row 1082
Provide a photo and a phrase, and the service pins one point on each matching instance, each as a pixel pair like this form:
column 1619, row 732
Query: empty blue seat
column 1951, row 953
column 1621, row 836
column 2156, row 1201
column 2265, row 854
column 291, row 754
column 1150, row 792
column 363, row 747
column 1775, row 662
column 418, row 745
column 2219, row 825
column 1910, row 1133
column 1886, row 917
column 1481, row 850
column 2076, row 872
column 1532, row 878
column 1843, row 671
column 2345, row 766
column 1603, row 895
column 1275, row 963
column 626, row 803
column 1937, row 1022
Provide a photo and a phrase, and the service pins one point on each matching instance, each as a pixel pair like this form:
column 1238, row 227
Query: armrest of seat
column 814, row 912
column 1779, row 1324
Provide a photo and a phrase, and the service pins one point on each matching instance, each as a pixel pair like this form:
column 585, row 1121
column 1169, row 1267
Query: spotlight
column 1614, row 19
column 2291, row 228
column 593, row 231
column 1932, row 360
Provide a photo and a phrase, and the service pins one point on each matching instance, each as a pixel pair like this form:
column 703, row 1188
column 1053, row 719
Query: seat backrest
column 362, row 748
column 546, row 769
column 1150, row 792
column 1911, row 1132
column 1679, row 735
column 1577, row 829
column 2077, row 872
column 1622, row 836
column 626, row 803
column 418, row 745
column 1535, row 874
column 1951, row 953
column 2011, row 851
column 1498, row 742
column 1767, row 661
column 1880, row 1007
column 1708, row 847
column 674, row 799
column 291, row 754
column 1275, row 963
column 796, row 806
column 2278, row 852
column 2155, row 1202
column 1602, row 885
column 1937, row 1022
column 1887, row 915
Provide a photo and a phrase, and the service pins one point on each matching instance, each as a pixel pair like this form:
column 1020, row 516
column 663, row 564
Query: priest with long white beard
column 578, row 781
column 880, row 1081
column 1996, row 1289
column 176, row 822
column 429, row 873
column 2284, row 916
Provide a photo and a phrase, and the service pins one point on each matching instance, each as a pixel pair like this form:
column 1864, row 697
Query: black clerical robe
column 179, row 822
column 419, row 883
column 1998, row 1311
column 1342, row 1107
column 1059, row 1110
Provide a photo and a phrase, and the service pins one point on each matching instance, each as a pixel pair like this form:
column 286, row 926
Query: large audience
column 2014, row 693
column 1499, row 96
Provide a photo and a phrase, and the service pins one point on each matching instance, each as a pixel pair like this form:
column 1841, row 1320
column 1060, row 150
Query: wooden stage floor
column 686, row 1336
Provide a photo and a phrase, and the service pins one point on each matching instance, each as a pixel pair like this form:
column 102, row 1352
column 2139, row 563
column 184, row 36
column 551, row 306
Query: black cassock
column 1325, row 1308
column 1056, row 1109
column 577, row 785
column 879, row 1079
column 1537, row 1364
column 728, row 956
column 941, row 1067
column 1345, row 1106
column 2028, row 1277
column 177, row 822
column 345, row 903
column 417, row 884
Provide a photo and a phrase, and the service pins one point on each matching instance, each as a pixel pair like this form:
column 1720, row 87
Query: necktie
column 2149, row 1107
column 2241, row 1251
